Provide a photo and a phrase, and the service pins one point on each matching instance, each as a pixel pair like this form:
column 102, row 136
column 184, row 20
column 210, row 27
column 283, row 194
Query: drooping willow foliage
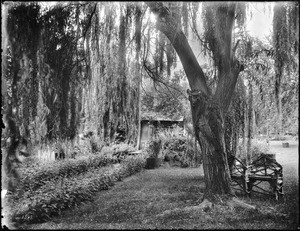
column 43, row 70
column 286, row 42
column 70, row 68
column 77, row 67
column 24, row 30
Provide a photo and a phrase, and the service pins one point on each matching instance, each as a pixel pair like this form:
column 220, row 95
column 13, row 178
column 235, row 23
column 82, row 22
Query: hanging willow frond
column 88, row 25
column 175, row 10
column 241, row 13
column 171, row 56
column 158, row 79
column 285, row 38
column 185, row 18
column 138, row 28
column 109, row 22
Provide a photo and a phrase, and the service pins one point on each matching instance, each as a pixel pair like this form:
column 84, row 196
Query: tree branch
column 151, row 74
column 90, row 20
column 166, row 23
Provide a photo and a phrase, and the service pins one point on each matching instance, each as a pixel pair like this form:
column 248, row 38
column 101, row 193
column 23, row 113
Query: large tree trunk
column 207, row 110
column 209, row 129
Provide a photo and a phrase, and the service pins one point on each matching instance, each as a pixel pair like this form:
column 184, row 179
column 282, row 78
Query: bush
column 55, row 196
column 154, row 148
column 33, row 178
column 259, row 147
column 175, row 146
column 96, row 144
column 119, row 151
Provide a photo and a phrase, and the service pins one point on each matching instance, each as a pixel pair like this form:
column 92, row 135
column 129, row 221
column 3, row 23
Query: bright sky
column 48, row 4
column 260, row 25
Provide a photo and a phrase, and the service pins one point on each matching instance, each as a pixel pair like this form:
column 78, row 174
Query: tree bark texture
column 209, row 130
column 220, row 20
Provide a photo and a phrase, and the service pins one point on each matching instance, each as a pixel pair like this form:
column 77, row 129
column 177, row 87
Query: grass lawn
column 167, row 198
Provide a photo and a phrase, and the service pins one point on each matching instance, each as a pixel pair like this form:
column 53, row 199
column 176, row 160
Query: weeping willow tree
column 21, row 73
column 86, row 63
column 208, row 108
column 111, row 99
column 43, row 70
column 286, row 45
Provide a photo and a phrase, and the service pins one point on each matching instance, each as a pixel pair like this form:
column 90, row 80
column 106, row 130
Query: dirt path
column 287, row 157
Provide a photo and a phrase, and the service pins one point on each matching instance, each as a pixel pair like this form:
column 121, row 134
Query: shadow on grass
column 167, row 199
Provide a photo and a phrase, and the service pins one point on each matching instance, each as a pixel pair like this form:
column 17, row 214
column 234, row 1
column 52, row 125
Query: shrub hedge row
column 50, row 199
column 33, row 178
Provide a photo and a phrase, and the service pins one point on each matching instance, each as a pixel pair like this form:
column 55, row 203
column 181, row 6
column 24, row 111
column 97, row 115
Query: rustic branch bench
column 263, row 169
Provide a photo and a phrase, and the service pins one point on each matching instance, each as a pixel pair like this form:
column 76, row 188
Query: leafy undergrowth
column 55, row 196
column 167, row 198
column 33, row 178
column 35, row 175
